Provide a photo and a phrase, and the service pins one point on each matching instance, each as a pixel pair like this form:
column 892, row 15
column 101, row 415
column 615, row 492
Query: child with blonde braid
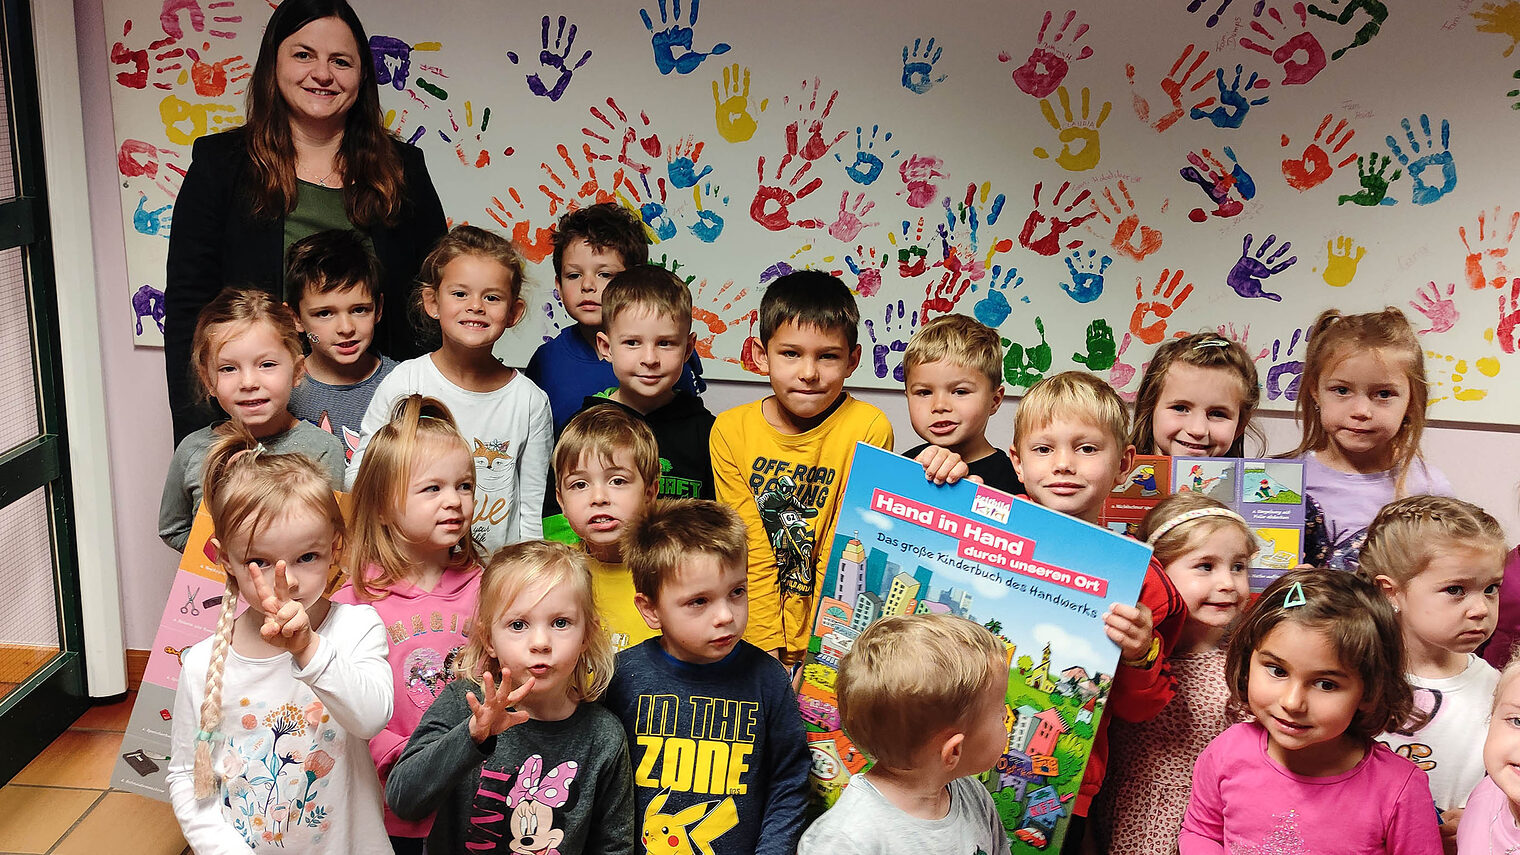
column 1205, row 549
column 409, row 555
column 273, row 711
column 1440, row 561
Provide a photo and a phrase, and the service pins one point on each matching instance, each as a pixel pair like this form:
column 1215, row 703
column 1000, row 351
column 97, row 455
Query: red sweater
column 1138, row 694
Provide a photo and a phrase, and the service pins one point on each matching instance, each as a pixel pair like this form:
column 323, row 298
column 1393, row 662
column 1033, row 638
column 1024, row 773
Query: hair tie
column 257, row 449
column 1295, row 597
column 1211, row 342
column 1189, row 516
column 205, row 736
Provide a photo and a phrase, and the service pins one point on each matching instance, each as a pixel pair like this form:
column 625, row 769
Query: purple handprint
column 554, row 60
column 675, row 36
column 1285, row 367
column 893, row 328
column 1247, row 275
column 393, row 61
column 1195, row 5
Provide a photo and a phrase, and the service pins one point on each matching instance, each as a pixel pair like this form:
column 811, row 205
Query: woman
column 312, row 156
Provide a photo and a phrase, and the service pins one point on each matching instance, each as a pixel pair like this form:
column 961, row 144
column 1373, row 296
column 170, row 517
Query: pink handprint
column 1050, row 242
column 1241, row 337
column 1050, row 60
column 918, row 174
column 1295, row 70
column 772, row 205
column 1122, row 373
column 1490, row 250
column 1314, row 167
column 1509, row 317
column 1172, row 85
column 849, row 224
column 1440, row 310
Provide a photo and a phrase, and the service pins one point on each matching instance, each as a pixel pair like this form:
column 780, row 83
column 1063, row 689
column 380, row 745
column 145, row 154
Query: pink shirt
column 1488, row 824
column 426, row 630
column 1245, row 802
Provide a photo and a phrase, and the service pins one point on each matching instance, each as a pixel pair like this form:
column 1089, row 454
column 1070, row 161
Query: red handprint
column 918, row 173
column 1489, row 249
column 627, row 137
column 1050, row 60
column 1172, row 85
column 1295, row 71
column 1050, row 242
column 1166, row 298
column 1314, row 167
column 772, row 205
column 814, row 145
column 1509, row 317
column 943, row 295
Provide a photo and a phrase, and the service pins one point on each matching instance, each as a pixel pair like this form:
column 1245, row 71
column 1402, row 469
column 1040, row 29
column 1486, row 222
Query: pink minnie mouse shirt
column 427, row 631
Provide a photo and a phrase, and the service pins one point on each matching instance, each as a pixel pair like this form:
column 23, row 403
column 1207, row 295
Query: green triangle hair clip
column 1295, row 596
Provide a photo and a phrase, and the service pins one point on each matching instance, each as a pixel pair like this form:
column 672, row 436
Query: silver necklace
column 322, row 182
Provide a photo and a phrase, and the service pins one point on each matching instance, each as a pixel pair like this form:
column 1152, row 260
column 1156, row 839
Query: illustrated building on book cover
column 1269, row 494
column 1037, row 579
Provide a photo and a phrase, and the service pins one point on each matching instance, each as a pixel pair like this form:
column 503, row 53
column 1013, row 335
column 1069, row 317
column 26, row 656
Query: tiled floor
column 62, row 803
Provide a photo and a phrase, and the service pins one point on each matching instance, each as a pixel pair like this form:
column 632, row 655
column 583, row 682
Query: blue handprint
column 658, row 220
column 709, row 223
column 1423, row 193
column 554, row 60
column 1233, row 105
column 891, row 326
column 868, row 165
column 1087, row 283
column 993, row 309
column 682, row 167
column 154, row 222
column 675, row 36
column 918, row 72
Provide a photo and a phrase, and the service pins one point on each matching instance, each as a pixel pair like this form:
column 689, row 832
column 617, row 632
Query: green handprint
column 1026, row 366
column 1374, row 182
column 1101, row 351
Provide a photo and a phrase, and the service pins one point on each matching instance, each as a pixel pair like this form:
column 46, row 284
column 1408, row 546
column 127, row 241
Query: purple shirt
column 1245, row 802
column 1346, row 502
column 1507, row 631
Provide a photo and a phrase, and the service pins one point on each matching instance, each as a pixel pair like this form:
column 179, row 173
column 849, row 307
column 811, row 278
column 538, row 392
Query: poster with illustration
column 1148, row 481
column 1038, row 579
column 1269, row 494
column 1090, row 178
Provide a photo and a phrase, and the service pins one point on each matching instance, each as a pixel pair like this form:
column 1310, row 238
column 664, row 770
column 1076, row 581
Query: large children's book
column 1038, row 579
column 1269, row 494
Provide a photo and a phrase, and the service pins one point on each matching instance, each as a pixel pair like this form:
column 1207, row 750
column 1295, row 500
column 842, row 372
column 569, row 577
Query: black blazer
column 216, row 243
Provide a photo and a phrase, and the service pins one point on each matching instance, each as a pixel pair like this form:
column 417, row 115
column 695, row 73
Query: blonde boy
column 646, row 336
column 606, row 467
column 782, row 461
column 740, row 784
column 924, row 696
column 1070, row 447
column 954, row 381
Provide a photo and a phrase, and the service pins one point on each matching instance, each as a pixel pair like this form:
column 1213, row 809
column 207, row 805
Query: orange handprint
column 1166, row 298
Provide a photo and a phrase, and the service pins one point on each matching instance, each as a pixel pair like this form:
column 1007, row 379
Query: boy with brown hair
column 591, row 245
column 606, row 466
column 646, row 336
column 1071, row 448
column 330, row 283
column 713, row 727
column 925, row 697
column 953, row 376
column 782, row 461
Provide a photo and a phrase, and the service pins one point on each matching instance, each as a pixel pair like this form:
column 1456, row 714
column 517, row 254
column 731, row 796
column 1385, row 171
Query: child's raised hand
column 286, row 624
column 491, row 713
column 942, row 466
column 1129, row 627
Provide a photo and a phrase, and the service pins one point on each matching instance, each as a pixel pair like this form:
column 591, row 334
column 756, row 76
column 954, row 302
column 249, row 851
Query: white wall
column 1475, row 457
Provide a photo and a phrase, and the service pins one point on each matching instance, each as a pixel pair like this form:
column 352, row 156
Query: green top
column 318, row 209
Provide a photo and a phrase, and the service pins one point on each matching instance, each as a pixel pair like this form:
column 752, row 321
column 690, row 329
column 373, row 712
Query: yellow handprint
column 1076, row 130
column 731, row 107
column 1453, row 373
column 175, row 111
column 1343, row 257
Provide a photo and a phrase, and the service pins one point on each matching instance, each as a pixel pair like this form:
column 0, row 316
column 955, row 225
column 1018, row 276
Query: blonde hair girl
column 471, row 294
column 537, row 656
column 1439, row 561
column 1197, row 399
column 409, row 553
column 1205, row 550
column 1362, row 405
column 274, row 710
column 246, row 356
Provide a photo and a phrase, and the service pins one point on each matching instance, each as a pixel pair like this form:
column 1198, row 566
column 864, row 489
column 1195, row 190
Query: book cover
column 1038, row 579
column 1269, row 494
